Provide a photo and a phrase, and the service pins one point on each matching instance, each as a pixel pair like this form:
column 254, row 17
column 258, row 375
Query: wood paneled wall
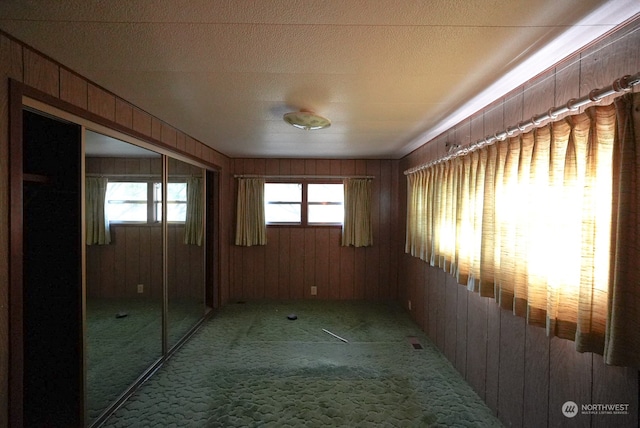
column 133, row 257
column 296, row 258
column 114, row 270
column 71, row 91
column 522, row 375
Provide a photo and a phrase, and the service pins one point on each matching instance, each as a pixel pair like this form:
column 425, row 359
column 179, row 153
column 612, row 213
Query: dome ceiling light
column 306, row 120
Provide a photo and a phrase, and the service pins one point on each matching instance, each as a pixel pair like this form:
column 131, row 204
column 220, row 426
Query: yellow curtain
column 97, row 224
column 194, row 222
column 357, row 229
column 622, row 342
column 251, row 227
column 528, row 222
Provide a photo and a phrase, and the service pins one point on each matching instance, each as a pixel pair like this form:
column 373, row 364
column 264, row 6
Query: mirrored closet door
column 145, row 263
column 124, row 290
column 185, row 249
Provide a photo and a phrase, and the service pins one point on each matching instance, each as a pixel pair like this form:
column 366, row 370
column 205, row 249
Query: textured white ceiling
column 390, row 74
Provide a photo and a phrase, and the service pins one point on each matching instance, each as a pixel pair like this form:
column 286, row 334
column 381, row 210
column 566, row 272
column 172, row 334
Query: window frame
column 304, row 211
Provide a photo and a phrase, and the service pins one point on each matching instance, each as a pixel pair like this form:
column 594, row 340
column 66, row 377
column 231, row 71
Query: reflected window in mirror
column 126, row 202
column 141, row 202
column 176, row 202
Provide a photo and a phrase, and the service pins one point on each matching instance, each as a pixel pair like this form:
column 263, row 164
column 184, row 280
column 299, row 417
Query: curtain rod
column 155, row 176
column 318, row 177
column 622, row 84
column 106, row 174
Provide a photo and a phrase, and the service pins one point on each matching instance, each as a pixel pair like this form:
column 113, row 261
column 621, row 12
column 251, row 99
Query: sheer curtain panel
column 528, row 221
column 194, row 222
column 251, row 227
column 357, row 229
column 97, row 224
column 622, row 344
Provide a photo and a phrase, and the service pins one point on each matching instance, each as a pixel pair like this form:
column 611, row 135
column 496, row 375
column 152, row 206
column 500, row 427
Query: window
column 325, row 204
column 283, row 203
column 176, row 201
column 126, row 202
column 304, row 203
column 141, row 202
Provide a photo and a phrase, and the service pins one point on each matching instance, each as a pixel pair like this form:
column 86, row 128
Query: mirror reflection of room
column 123, row 267
column 125, row 262
column 185, row 249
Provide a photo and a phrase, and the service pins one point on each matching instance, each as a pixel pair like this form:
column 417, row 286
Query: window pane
column 177, row 208
column 177, row 192
column 283, row 213
column 126, row 201
column 325, row 203
column 126, row 191
column 283, row 202
column 283, row 192
column 326, row 213
column 177, row 211
column 326, row 193
column 126, row 211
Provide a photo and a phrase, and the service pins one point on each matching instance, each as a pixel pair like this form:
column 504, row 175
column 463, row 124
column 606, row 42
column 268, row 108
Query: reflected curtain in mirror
column 251, row 227
column 97, row 223
column 528, row 221
column 194, row 222
column 357, row 229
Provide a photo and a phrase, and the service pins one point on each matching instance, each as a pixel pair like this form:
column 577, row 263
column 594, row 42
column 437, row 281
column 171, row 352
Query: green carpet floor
column 119, row 350
column 249, row 366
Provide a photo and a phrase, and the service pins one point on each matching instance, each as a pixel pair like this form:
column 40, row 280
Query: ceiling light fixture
column 306, row 120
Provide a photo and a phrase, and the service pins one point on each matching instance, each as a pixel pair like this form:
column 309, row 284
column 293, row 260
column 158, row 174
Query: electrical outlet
column 314, row 290
column 409, row 304
column 140, row 288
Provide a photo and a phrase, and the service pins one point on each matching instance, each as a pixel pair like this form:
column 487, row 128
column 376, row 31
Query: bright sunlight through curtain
column 251, row 228
column 528, row 221
column 194, row 221
column 622, row 339
column 97, row 224
column 357, row 229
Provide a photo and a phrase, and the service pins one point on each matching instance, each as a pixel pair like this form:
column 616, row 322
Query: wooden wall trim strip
column 16, row 358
